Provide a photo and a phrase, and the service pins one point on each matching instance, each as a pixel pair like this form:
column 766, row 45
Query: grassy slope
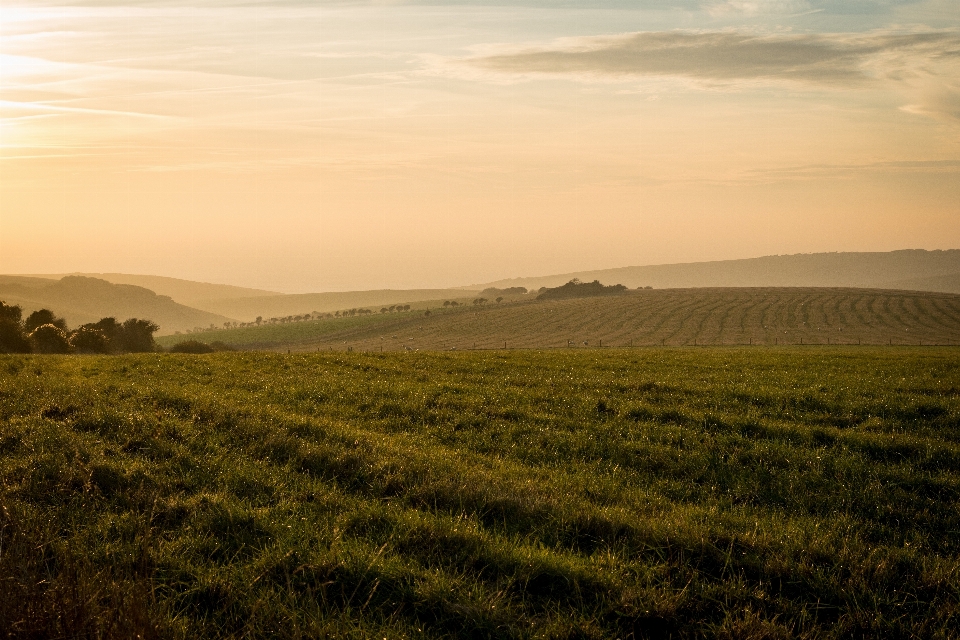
column 652, row 317
column 247, row 309
column 734, row 493
column 279, row 335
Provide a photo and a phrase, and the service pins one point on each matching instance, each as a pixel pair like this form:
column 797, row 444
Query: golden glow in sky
column 306, row 146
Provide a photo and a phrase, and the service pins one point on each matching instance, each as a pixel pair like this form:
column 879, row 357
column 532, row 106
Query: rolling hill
column 718, row 316
column 80, row 299
column 185, row 292
column 247, row 309
column 908, row 269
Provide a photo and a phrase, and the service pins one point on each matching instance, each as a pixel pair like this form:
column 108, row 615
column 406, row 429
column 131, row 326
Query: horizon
column 361, row 146
column 466, row 287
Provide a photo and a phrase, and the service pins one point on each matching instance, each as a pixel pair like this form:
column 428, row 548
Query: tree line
column 43, row 332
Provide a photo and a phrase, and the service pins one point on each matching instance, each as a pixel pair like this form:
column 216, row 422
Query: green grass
column 571, row 494
column 275, row 335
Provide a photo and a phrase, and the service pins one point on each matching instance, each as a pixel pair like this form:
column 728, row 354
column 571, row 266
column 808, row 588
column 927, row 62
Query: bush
column 136, row 336
column 12, row 339
column 191, row 346
column 41, row 317
column 49, row 338
column 89, row 340
column 195, row 346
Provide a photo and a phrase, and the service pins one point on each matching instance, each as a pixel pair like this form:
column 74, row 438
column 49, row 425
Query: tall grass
column 675, row 492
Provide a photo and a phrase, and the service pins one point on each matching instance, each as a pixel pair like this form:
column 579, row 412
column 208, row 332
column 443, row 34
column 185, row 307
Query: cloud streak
column 823, row 59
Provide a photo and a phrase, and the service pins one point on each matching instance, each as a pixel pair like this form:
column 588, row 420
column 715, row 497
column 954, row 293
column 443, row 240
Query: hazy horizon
column 333, row 146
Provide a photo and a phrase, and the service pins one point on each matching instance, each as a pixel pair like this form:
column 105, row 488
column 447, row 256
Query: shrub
column 89, row 340
column 41, row 317
column 12, row 339
column 192, row 346
column 136, row 336
column 49, row 338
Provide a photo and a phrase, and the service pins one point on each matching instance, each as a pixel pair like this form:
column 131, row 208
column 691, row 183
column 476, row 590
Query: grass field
column 651, row 317
column 725, row 492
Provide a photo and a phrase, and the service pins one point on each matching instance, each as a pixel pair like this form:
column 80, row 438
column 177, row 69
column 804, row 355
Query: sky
column 326, row 145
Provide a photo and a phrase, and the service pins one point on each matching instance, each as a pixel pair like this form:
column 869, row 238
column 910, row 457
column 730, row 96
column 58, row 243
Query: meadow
column 740, row 493
column 664, row 317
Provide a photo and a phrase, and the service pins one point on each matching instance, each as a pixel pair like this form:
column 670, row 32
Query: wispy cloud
column 924, row 64
column 827, row 59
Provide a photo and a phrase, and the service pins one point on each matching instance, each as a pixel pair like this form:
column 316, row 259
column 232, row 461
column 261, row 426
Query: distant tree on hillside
column 446, row 303
column 577, row 289
column 49, row 338
column 499, row 299
column 509, row 291
column 259, row 320
column 41, row 317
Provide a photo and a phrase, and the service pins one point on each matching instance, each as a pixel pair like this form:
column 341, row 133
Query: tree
column 41, row 317
column 110, row 329
column 89, row 340
column 499, row 299
column 12, row 338
column 49, row 338
column 136, row 336
column 10, row 312
column 446, row 303
column 259, row 320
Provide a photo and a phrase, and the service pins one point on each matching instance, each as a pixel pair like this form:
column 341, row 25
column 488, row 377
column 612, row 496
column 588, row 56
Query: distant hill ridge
column 186, row 292
column 915, row 269
column 80, row 299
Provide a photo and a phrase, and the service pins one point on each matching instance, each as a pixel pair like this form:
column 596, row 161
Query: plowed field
column 758, row 316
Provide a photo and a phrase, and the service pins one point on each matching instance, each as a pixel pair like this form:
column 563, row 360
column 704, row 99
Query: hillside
column 247, row 309
column 185, row 292
column 912, row 268
column 649, row 317
column 80, row 299
column 949, row 283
